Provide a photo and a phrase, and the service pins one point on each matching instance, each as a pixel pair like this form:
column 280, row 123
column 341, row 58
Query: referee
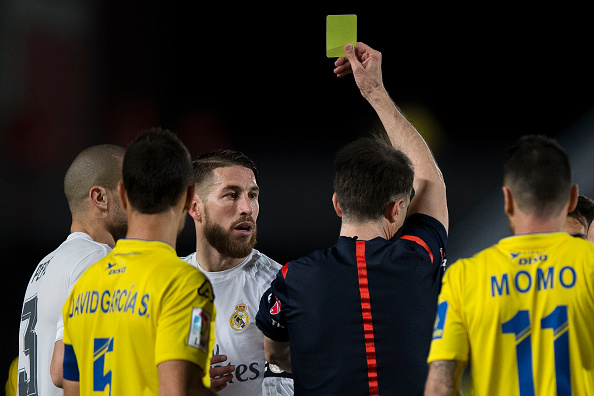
column 357, row 318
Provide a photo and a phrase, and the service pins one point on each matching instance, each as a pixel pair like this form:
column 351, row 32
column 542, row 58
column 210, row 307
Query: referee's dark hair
column 157, row 170
column 538, row 172
column 369, row 175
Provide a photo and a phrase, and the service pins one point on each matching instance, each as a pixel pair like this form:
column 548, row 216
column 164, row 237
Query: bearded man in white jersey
column 98, row 220
column 225, row 209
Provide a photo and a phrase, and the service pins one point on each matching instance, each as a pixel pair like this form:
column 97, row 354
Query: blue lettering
column 94, row 301
column 89, row 296
column 144, row 302
column 562, row 278
column 105, row 307
column 499, row 286
column 131, row 303
column 517, row 281
column 543, row 280
column 72, row 305
column 117, row 300
column 120, row 299
column 85, row 303
column 76, row 305
column 114, row 300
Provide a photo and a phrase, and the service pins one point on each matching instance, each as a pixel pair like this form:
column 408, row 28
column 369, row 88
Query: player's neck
column 363, row 231
column 162, row 226
column 95, row 229
column 527, row 224
column 211, row 260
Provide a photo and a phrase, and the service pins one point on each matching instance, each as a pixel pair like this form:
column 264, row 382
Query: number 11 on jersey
column 519, row 325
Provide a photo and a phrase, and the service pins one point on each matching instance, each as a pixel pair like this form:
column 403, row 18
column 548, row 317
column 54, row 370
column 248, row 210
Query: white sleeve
column 60, row 328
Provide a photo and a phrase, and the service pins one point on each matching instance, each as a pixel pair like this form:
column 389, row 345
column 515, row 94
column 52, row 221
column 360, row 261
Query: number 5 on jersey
column 101, row 379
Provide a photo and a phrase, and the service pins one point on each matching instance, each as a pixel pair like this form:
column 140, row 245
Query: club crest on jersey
column 240, row 318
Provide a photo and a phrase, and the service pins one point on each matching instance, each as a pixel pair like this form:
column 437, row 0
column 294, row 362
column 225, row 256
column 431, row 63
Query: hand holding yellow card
column 340, row 30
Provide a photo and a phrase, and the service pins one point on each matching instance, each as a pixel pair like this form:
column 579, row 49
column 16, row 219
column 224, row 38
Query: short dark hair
column 539, row 174
column 99, row 165
column 204, row 164
column 369, row 174
column 584, row 211
column 157, row 170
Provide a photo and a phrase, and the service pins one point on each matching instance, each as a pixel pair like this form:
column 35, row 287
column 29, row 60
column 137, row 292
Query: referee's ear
column 336, row 205
column 393, row 210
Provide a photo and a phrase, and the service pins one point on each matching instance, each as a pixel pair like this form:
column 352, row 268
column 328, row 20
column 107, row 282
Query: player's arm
column 57, row 364
column 365, row 64
column 71, row 388
column 180, row 377
column 278, row 353
column 444, row 378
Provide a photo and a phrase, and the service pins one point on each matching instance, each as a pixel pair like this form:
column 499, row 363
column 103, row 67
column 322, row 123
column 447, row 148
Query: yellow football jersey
column 139, row 306
column 521, row 311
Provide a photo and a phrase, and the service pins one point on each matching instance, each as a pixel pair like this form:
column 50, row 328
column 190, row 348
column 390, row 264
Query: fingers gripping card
column 340, row 30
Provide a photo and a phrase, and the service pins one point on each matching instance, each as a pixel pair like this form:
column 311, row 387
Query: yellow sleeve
column 13, row 374
column 450, row 337
column 185, row 330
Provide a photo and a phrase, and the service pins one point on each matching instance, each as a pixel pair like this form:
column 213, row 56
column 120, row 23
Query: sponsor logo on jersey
column 243, row 371
column 276, row 308
column 115, row 271
column 240, row 318
column 528, row 257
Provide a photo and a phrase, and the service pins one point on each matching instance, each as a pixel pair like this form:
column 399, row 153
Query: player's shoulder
column 78, row 246
column 190, row 259
column 311, row 262
column 475, row 264
column 262, row 262
column 261, row 268
column 423, row 223
column 581, row 244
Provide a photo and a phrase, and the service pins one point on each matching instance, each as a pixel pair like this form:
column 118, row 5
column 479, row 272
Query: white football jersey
column 237, row 297
column 46, row 293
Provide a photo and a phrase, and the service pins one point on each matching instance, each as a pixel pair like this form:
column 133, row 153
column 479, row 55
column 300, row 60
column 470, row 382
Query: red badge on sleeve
column 276, row 307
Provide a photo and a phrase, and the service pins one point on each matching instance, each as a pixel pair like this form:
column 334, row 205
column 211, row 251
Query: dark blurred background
column 255, row 78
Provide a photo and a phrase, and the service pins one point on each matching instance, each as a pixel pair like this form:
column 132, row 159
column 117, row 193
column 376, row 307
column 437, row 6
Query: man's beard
column 219, row 238
column 118, row 227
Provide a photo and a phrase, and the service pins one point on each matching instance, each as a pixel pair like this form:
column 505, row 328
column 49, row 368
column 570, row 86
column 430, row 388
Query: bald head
column 95, row 166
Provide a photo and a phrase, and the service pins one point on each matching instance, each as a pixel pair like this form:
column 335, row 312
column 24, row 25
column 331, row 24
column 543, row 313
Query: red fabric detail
column 284, row 270
column 420, row 242
column 367, row 320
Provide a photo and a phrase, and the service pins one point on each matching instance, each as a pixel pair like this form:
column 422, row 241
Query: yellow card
column 340, row 30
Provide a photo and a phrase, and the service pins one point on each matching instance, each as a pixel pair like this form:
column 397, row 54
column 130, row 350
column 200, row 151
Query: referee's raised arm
column 430, row 192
